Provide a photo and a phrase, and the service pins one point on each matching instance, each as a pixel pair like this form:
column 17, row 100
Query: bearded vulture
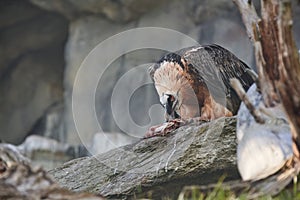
column 194, row 82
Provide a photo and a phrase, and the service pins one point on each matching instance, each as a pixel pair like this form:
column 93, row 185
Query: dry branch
column 276, row 55
column 237, row 86
column 289, row 69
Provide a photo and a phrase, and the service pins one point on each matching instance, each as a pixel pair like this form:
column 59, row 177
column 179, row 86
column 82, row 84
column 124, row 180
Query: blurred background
column 43, row 42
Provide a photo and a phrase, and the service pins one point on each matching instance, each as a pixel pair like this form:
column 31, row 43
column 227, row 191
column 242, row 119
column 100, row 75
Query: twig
column 237, row 86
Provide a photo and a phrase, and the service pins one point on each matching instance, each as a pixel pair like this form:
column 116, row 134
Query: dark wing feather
column 216, row 66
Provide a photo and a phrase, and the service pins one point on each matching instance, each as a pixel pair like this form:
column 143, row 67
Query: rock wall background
column 32, row 44
column 43, row 43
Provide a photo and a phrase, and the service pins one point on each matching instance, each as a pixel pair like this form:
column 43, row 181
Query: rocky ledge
column 157, row 167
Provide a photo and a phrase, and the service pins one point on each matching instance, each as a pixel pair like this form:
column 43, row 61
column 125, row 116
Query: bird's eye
column 171, row 98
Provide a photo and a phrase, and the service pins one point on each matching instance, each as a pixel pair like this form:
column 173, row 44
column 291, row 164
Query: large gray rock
column 46, row 152
column 269, row 144
column 194, row 154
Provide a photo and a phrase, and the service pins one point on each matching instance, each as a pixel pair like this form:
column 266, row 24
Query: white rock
column 39, row 143
column 262, row 148
column 103, row 142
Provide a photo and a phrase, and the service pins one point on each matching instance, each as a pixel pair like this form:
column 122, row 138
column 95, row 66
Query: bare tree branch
column 289, row 69
column 237, row 86
column 277, row 56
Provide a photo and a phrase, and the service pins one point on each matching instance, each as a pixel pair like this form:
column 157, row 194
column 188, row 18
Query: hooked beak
column 170, row 102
